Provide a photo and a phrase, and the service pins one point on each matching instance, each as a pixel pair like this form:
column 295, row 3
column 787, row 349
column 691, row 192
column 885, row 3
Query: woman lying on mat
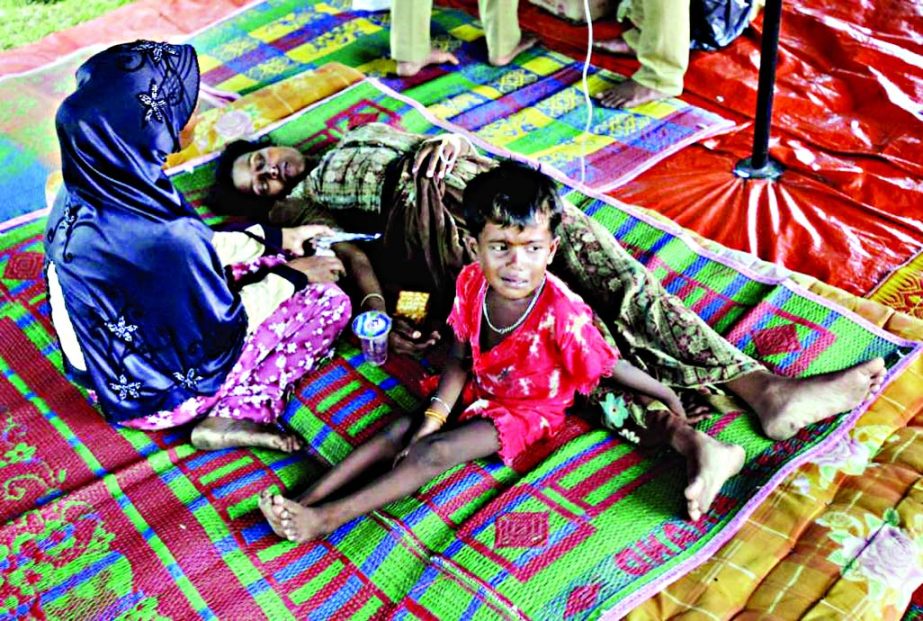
column 145, row 314
column 409, row 187
column 518, row 379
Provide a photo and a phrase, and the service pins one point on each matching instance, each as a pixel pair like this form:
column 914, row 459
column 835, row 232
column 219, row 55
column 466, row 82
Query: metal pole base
column 772, row 170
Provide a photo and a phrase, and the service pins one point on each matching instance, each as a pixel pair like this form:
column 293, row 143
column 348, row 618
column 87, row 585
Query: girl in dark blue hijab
column 140, row 299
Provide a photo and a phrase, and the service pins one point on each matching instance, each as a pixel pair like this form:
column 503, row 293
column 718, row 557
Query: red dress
column 525, row 383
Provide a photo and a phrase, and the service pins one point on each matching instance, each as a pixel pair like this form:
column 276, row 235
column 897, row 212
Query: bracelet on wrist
column 433, row 400
column 436, row 415
column 369, row 296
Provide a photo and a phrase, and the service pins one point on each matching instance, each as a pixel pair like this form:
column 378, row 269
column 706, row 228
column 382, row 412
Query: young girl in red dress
column 524, row 345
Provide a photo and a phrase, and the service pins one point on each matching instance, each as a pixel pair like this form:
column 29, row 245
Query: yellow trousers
column 410, row 20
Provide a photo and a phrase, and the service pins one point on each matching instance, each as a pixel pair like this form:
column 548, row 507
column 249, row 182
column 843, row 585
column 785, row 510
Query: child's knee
column 434, row 452
column 396, row 432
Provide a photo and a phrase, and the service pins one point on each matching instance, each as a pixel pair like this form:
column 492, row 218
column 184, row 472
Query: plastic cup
column 372, row 328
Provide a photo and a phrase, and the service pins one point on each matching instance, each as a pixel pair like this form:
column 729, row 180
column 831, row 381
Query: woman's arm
column 404, row 338
column 363, row 275
column 439, row 154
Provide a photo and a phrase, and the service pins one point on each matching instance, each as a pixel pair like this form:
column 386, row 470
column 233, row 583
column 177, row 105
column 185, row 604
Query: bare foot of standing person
column 628, row 94
column 615, row 46
column 215, row 433
column 524, row 43
column 436, row 57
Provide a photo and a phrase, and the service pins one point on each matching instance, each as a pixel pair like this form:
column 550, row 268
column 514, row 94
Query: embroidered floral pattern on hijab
column 151, row 308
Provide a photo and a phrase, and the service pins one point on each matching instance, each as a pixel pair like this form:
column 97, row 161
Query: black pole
column 759, row 165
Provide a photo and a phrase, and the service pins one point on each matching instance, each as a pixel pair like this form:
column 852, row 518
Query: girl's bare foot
column 709, row 465
column 299, row 523
column 786, row 405
column 436, row 57
column 275, row 522
column 524, row 43
column 215, row 433
column 628, row 94
column 615, row 46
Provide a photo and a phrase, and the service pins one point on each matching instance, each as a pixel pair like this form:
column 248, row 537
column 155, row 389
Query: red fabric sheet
column 846, row 124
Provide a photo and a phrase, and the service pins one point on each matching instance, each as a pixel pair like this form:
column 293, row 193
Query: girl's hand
column 442, row 152
column 428, row 427
column 672, row 401
column 294, row 238
column 697, row 411
column 697, row 406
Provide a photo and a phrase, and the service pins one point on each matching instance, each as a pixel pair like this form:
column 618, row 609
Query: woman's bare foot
column 275, row 522
column 436, row 57
column 785, row 405
column 628, row 94
column 708, row 465
column 615, row 46
column 525, row 43
column 215, row 433
column 299, row 523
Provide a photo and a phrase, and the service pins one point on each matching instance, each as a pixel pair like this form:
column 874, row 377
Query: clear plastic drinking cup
column 372, row 328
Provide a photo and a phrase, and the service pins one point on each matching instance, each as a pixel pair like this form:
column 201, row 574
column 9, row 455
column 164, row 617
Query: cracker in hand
column 412, row 305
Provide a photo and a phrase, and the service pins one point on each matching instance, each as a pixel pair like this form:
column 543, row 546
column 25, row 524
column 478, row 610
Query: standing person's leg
column 289, row 344
column 501, row 30
column 428, row 458
column 410, row 40
column 661, row 41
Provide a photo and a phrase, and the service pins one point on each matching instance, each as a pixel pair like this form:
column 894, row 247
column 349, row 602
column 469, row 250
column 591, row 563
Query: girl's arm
column 451, row 385
column 636, row 380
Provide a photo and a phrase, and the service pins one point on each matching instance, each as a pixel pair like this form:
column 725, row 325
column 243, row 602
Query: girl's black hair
column 224, row 198
column 511, row 194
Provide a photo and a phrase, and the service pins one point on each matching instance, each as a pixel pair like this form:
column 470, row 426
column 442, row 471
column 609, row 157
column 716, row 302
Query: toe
column 694, row 489
column 291, row 506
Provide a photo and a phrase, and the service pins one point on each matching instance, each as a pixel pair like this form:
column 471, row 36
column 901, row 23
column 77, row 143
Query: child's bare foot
column 525, row 43
column 628, row 94
column 708, row 465
column 299, row 523
column 215, row 433
column 436, row 57
column 615, row 46
column 266, row 508
column 786, row 405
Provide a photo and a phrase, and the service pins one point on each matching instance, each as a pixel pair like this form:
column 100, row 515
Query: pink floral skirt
column 287, row 346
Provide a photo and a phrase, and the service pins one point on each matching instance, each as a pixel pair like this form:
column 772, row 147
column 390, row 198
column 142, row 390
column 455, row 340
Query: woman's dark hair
column 511, row 194
column 224, row 198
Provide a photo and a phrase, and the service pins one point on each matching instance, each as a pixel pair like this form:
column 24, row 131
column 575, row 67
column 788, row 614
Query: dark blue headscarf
column 150, row 304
